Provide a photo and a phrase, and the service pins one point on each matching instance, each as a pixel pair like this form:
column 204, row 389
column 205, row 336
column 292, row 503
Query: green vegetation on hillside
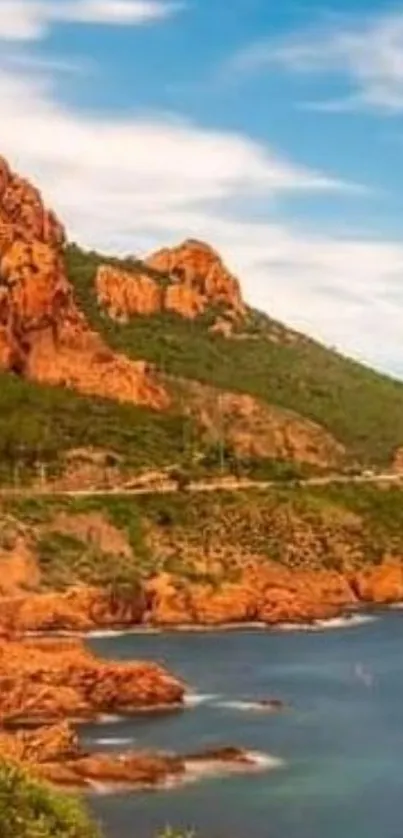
column 30, row 809
column 39, row 423
column 309, row 527
column 361, row 408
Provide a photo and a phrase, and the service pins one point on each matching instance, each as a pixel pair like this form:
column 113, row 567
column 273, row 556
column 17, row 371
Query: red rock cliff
column 43, row 335
column 52, row 680
column 193, row 279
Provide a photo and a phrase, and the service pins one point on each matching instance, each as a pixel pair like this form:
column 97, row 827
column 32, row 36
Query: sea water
column 334, row 755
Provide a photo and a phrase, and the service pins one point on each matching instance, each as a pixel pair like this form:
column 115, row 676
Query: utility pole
column 221, row 440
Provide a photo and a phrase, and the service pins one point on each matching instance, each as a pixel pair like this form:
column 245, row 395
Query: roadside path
column 203, row 487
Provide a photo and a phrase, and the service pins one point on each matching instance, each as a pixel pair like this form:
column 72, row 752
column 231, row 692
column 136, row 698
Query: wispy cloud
column 366, row 53
column 38, row 65
column 129, row 185
column 132, row 185
column 29, row 20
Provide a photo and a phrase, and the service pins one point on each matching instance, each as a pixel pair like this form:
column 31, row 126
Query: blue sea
column 338, row 747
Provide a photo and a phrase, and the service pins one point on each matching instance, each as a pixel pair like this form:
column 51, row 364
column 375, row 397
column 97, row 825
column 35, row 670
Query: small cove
column 340, row 741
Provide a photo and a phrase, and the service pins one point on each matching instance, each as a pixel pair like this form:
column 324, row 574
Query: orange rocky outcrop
column 381, row 584
column 188, row 279
column 77, row 610
column 262, row 592
column 54, row 754
column 270, row 593
column 49, row 680
column 254, row 428
column 43, row 335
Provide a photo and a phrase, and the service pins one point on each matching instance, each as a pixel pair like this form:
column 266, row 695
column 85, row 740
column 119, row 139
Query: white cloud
column 21, row 20
column 29, row 20
column 139, row 159
column 133, row 185
column 35, row 64
column 117, row 12
column 367, row 53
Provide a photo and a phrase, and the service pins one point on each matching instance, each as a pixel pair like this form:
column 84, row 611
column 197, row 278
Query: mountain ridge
column 43, row 335
column 208, row 380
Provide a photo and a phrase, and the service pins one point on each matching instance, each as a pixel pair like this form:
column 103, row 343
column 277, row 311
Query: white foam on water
column 196, row 699
column 256, row 761
column 104, row 634
column 95, row 634
column 350, row 621
column 195, row 771
column 265, row 762
column 115, row 741
column 110, row 719
column 247, row 706
column 100, row 788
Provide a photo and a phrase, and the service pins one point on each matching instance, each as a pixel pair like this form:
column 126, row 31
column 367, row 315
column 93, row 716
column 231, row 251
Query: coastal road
column 202, row 487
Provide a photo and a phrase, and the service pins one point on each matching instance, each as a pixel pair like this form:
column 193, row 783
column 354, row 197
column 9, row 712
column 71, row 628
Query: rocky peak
column 43, row 335
column 193, row 280
column 197, row 267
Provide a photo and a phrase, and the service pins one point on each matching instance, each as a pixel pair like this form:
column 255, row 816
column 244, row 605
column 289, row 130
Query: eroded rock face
column 79, row 609
column 47, row 744
column 264, row 593
column 255, row 429
column 43, row 335
column 199, row 272
column 381, row 584
column 193, row 279
column 47, row 681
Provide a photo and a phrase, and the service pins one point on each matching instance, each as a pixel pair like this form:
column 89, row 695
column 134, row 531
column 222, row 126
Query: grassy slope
column 299, row 527
column 40, row 423
column 361, row 408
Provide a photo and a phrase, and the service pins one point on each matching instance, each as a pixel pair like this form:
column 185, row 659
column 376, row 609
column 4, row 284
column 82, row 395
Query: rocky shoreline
column 48, row 686
column 265, row 596
column 54, row 754
column 48, row 683
column 52, row 680
column 344, row 619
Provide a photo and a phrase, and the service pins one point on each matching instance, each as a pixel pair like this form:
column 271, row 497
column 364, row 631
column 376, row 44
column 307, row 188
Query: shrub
column 31, row 809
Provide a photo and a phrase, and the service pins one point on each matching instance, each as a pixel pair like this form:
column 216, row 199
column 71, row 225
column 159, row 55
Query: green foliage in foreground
column 30, row 809
column 361, row 408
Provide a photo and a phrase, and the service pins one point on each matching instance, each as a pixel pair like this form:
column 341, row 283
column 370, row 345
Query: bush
column 30, row 809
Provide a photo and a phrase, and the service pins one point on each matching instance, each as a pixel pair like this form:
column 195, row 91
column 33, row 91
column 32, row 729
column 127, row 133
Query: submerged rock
column 271, row 704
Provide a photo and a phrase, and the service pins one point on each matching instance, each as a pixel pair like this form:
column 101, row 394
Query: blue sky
column 273, row 130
